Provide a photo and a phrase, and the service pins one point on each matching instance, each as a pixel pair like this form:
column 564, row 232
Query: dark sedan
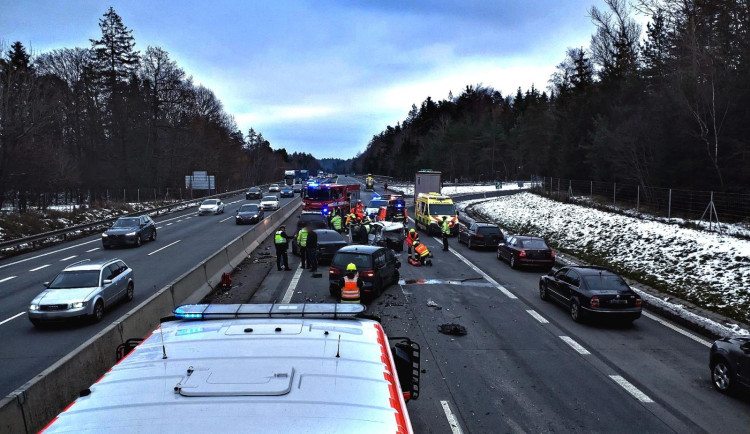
column 253, row 193
column 730, row 364
column 480, row 235
column 591, row 291
column 129, row 231
column 377, row 267
column 287, row 191
column 329, row 242
column 249, row 213
column 522, row 250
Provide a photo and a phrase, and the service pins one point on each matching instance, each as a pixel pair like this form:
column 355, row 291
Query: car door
column 572, row 285
column 505, row 249
column 556, row 285
column 378, row 260
column 743, row 364
column 151, row 225
column 390, row 259
column 109, row 290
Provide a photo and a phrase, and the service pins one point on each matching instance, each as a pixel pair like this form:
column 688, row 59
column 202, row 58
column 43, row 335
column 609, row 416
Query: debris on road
column 431, row 303
column 452, row 329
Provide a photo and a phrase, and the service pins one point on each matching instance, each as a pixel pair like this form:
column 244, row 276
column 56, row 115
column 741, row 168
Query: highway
column 184, row 240
column 524, row 365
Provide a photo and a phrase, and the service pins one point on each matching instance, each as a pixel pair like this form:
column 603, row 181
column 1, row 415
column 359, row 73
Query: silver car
column 211, row 206
column 270, row 202
column 274, row 188
column 83, row 289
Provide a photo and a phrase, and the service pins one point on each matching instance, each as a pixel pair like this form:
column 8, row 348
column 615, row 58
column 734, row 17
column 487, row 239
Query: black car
column 314, row 219
column 523, row 250
column 297, row 188
column 287, row 191
column 129, row 231
column 253, row 193
column 396, row 210
column 249, row 213
column 730, row 364
column 329, row 242
column 377, row 267
column 591, row 291
column 480, row 235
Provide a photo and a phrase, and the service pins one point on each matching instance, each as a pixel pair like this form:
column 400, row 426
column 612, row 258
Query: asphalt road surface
column 184, row 240
column 524, row 365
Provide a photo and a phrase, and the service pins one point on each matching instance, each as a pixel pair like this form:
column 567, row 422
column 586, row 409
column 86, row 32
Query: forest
column 85, row 120
column 662, row 106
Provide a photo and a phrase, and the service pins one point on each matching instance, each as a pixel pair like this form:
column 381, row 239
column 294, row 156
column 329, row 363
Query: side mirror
column 107, row 281
column 456, row 213
column 46, row 284
column 406, row 355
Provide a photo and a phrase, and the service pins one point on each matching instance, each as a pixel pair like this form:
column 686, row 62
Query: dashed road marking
column 7, row 279
column 159, row 227
column 48, row 253
column 11, row 318
column 222, row 221
column 68, row 258
column 575, row 345
column 92, row 250
column 39, row 268
column 170, row 224
column 452, row 421
column 160, row 249
column 637, row 394
column 502, row 289
column 536, row 316
column 677, row 329
column 292, row 285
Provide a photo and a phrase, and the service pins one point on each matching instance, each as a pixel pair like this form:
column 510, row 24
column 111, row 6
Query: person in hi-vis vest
column 351, row 285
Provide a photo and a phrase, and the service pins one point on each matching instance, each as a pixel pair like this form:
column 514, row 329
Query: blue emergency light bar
column 273, row 310
column 325, row 211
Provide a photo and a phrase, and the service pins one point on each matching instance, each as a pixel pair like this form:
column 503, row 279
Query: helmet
column 411, row 231
column 351, row 267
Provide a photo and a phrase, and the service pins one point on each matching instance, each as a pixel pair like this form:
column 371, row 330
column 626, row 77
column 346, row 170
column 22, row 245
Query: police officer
column 446, row 230
column 336, row 222
column 281, row 241
column 302, row 243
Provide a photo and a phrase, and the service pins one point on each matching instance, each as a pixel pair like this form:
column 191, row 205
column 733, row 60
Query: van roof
column 227, row 375
column 433, row 196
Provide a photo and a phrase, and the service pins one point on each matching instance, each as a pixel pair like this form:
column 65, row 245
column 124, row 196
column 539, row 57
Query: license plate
column 618, row 302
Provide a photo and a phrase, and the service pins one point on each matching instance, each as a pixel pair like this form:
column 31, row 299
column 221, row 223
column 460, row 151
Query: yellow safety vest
column 302, row 238
column 446, row 227
column 336, row 222
column 279, row 239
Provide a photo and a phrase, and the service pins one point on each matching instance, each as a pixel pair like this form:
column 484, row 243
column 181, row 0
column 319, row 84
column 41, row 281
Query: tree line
column 110, row 117
column 665, row 109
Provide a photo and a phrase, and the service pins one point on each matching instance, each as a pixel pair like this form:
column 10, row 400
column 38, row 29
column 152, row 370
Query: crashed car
column 388, row 234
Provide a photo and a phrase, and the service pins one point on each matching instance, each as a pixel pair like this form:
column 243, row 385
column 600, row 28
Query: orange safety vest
column 350, row 291
column 422, row 250
column 410, row 239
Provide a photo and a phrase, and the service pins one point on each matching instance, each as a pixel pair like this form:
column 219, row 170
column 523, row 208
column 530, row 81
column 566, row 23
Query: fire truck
column 327, row 197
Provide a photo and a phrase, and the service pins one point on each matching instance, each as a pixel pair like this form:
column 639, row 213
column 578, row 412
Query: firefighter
column 446, row 230
column 351, row 218
column 422, row 253
column 281, row 241
column 350, row 285
column 336, row 222
column 302, row 243
column 411, row 237
column 359, row 210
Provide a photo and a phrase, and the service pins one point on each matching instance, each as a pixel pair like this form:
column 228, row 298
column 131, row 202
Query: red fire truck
column 327, row 197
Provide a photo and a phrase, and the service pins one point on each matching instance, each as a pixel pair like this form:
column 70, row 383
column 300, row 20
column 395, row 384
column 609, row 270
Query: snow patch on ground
column 408, row 189
column 705, row 268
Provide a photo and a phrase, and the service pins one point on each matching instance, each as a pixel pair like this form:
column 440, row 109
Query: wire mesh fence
column 690, row 205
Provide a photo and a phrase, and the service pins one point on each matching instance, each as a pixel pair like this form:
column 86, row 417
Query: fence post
column 669, row 207
column 558, row 188
column 638, row 198
column 591, row 191
column 139, row 195
column 614, row 195
column 124, row 198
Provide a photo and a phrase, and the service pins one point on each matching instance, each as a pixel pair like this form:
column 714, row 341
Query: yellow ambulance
column 429, row 210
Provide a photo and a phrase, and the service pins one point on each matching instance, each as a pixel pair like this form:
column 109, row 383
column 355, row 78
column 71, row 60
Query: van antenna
column 163, row 348
column 338, row 348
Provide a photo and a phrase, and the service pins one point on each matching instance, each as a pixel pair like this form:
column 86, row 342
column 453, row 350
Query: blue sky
column 324, row 76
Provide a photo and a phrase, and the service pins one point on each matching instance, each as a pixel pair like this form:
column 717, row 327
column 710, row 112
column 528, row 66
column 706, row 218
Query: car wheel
column 36, row 323
column 129, row 292
column 105, row 247
column 513, row 263
column 543, row 291
column 722, row 376
column 498, row 255
column 468, row 244
column 153, row 235
column 334, row 291
column 98, row 312
column 138, row 240
column 396, row 277
column 575, row 311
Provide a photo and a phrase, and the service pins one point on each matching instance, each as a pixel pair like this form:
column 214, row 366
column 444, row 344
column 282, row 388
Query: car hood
column 61, row 296
column 268, row 201
column 121, row 231
column 247, row 213
column 372, row 210
column 208, row 206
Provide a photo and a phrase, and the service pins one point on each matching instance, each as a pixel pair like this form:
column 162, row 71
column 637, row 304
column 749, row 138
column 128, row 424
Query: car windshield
column 210, row 202
column 318, row 194
column 488, row 230
column 249, row 208
column 361, row 260
column 129, row 222
column 274, row 186
column 442, row 209
column 329, row 236
column 286, row 189
column 76, row 279
column 534, row 244
column 605, row 282
column 377, row 203
column 270, row 198
column 254, row 190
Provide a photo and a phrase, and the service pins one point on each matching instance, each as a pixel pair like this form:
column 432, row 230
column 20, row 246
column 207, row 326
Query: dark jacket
column 285, row 246
column 312, row 239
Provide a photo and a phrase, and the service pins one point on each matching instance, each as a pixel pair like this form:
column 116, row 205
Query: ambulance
column 429, row 210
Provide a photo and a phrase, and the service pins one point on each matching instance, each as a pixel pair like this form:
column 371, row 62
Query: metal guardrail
column 63, row 232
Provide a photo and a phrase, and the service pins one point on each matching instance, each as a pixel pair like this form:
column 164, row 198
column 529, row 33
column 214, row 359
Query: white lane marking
column 159, row 227
column 178, row 221
column 455, row 427
column 11, row 318
column 575, row 345
column 222, row 221
column 637, row 394
column 7, row 279
column 160, row 249
column 39, row 268
column 49, row 253
column 537, row 317
column 677, row 329
column 68, row 258
column 487, row 277
column 170, row 224
column 92, row 250
column 292, row 285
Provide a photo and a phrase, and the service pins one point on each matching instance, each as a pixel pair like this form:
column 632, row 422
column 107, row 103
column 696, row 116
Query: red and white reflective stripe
column 394, row 388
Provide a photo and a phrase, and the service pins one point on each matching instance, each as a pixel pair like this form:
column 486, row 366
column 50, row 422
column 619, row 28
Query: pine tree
column 115, row 59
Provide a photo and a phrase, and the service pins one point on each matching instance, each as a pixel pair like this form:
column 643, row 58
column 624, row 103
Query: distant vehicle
column 249, row 213
column 270, row 203
column 480, row 234
column 591, row 291
column 253, row 193
column 395, row 211
column 373, row 208
column 377, row 267
column 425, row 182
column 289, row 177
column 523, row 250
column 211, row 206
column 297, row 188
column 83, row 289
column 369, row 183
column 274, row 188
column 329, row 242
column 429, row 210
column 388, row 234
column 287, row 192
column 318, row 197
column 129, row 231
column 730, row 364
column 286, row 368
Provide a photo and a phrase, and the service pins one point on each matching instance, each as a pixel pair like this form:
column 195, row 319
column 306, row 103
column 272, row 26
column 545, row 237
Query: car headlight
column 77, row 305
column 34, row 307
column 255, row 216
column 104, row 235
column 130, row 234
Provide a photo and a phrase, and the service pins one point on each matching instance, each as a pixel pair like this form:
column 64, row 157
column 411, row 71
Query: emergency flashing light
column 375, row 196
column 325, row 211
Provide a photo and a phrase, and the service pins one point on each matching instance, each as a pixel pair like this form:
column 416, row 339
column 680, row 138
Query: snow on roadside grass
column 705, row 268
column 408, row 189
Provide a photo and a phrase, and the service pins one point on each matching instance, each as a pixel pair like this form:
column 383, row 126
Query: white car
column 211, row 206
column 269, row 202
column 274, row 188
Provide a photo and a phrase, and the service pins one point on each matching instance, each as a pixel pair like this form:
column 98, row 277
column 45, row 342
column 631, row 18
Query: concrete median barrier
column 186, row 285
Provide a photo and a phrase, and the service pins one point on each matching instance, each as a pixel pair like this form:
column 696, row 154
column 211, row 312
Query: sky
column 325, row 76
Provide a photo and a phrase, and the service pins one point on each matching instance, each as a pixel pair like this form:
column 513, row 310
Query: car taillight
column 638, row 302
column 522, row 254
column 552, row 254
column 594, row 301
column 368, row 273
column 333, row 271
column 479, row 235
